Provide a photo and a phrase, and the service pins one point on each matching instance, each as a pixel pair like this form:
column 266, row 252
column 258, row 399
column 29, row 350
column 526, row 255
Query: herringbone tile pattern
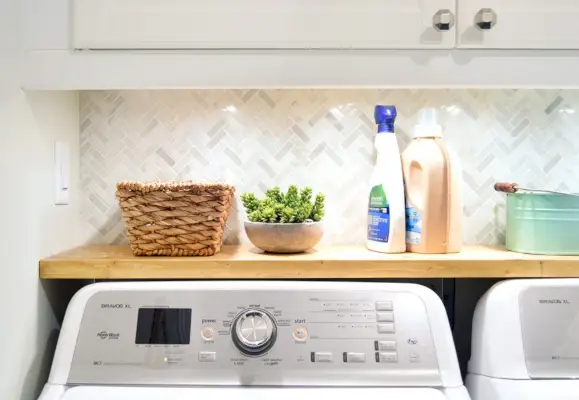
column 255, row 139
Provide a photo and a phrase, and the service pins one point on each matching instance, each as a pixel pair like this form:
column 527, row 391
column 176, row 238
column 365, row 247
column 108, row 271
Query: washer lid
column 242, row 393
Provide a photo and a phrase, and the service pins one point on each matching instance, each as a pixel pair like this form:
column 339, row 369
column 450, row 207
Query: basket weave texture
column 174, row 218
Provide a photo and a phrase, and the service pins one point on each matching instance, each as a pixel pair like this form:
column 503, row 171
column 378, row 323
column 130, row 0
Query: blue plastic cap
column 385, row 117
column 384, row 114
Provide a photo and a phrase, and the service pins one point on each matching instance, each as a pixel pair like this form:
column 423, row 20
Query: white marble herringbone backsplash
column 255, row 139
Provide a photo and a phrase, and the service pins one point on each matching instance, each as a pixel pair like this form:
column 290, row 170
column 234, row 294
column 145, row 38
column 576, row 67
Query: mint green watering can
column 540, row 221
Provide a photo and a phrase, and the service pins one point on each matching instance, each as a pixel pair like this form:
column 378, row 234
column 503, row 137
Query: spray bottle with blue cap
column 386, row 205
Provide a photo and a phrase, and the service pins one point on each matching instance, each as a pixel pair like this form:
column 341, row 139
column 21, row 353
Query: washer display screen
column 163, row 326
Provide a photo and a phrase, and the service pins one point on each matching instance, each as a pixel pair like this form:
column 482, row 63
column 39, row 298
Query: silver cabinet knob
column 485, row 19
column 443, row 20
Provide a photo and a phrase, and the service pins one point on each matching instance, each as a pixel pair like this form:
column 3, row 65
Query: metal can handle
column 506, row 187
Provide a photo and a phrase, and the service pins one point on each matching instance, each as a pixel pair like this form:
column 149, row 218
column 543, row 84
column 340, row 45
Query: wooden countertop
column 347, row 262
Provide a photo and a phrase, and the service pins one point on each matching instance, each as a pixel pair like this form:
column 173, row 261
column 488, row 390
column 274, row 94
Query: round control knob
column 254, row 332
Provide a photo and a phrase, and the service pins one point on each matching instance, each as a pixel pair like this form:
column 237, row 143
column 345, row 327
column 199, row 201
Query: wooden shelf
column 348, row 262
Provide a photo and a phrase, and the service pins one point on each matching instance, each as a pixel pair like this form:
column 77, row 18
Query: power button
column 300, row 333
column 207, row 332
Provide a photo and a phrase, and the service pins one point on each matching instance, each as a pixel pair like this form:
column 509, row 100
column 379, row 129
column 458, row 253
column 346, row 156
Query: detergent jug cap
column 428, row 125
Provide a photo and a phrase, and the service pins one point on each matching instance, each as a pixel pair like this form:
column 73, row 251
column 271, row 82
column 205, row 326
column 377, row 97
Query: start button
column 300, row 333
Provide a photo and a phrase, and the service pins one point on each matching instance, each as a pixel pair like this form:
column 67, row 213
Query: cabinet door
column 518, row 24
column 262, row 24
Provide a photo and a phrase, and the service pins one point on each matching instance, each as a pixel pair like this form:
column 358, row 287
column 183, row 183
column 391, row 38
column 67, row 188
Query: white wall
column 32, row 227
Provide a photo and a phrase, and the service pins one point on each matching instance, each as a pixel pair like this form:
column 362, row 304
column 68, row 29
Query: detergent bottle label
column 413, row 225
column 378, row 215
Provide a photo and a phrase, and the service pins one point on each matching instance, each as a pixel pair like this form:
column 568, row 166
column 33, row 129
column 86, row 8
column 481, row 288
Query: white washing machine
column 525, row 341
column 255, row 340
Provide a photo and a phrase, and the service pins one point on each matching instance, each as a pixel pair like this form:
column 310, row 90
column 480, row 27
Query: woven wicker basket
column 174, row 218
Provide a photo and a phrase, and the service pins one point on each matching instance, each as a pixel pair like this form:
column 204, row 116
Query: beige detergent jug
column 432, row 175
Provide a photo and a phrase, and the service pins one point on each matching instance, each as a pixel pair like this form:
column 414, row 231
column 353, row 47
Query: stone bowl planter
column 284, row 238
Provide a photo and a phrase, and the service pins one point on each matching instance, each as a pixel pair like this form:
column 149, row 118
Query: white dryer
column 255, row 340
column 525, row 341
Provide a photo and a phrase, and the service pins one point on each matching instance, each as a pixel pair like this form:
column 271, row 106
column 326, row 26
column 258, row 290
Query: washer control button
column 414, row 357
column 346, row 305
column 207, row 332
column 386, row 357
column 385, row 345
column 355, row 357
column 384, row 306
column 300, row 333
column 386, row 328
column 321, row 357
column 385, row 317
column 207, row 356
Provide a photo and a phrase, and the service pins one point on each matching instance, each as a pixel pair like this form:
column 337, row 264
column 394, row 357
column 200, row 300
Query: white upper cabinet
column 263, row 24
column 518, row 24
column 298, row 43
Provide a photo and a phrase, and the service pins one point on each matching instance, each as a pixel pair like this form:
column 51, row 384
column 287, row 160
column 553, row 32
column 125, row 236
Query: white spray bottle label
column 378, row 215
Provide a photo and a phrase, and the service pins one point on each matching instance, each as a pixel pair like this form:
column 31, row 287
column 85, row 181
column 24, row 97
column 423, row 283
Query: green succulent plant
column 294, row 206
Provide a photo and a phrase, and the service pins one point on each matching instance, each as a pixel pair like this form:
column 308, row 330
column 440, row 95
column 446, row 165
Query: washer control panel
column 257, row 337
